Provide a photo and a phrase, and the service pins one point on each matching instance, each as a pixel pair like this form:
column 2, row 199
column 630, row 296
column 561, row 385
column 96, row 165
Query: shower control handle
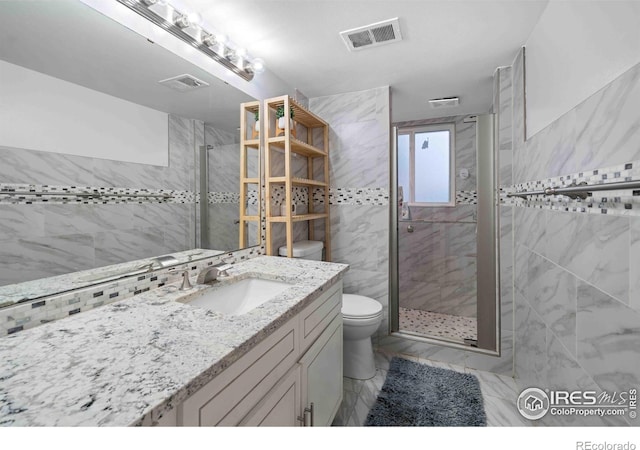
column 410, row 229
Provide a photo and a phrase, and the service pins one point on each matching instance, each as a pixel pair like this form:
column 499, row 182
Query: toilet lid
column 359, row 306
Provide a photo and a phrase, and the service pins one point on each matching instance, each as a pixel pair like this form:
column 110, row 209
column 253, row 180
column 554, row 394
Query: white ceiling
column 450, row 48
column 73, row 42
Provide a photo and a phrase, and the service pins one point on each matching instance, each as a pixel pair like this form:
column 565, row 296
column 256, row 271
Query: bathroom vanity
column 155, row 359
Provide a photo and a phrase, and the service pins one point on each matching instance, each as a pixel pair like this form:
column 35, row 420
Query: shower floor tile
column 433, row 324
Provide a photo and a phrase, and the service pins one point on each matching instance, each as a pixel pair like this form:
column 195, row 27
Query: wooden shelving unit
column 285, row 141
column 249, row 141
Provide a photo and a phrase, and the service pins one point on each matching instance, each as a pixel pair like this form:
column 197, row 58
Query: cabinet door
column 322, row 374
column 233, row 393
column 281, row 406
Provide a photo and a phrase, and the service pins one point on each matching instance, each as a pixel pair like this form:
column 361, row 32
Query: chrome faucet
column 186, row 284
column 213, row 273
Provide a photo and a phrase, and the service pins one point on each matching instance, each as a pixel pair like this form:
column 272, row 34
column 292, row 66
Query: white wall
column 575, row 49
column 40, row 112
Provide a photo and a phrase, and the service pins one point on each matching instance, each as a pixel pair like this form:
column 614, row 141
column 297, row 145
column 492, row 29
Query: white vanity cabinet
column 292, row 378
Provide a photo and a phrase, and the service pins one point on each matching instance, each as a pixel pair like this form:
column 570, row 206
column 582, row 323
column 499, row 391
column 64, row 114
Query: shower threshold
column 458, row 329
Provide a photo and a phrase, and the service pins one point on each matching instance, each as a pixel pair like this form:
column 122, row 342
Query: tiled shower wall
column 437, row 260
column 359, row 178
column 224, row 189
column 43, row 239
column 577, row 307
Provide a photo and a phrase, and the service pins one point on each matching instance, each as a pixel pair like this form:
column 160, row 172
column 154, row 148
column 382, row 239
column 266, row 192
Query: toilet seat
column 359, row 307
column 359, row 322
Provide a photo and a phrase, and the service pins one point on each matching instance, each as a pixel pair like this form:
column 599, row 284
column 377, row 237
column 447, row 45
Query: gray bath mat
column 419, row 395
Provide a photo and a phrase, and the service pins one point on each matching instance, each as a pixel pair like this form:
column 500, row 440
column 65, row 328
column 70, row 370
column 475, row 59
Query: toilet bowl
column 361, row 318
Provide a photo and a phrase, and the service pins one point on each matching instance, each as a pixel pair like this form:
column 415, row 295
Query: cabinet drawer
column 229, row 397
column 319, row 314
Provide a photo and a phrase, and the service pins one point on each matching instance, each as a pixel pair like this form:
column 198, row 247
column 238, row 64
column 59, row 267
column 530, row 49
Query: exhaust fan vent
column 444, row 102
column 184, row 83
column 373, row 35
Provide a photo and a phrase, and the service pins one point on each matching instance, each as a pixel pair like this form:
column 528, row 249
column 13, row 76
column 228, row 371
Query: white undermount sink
column 240, row 297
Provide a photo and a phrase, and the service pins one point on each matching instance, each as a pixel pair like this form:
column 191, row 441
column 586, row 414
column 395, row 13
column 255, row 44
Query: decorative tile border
column 300, row 195
column 353, row 196
column 14, row 193
column 223, row 197
column 466, row 198
column 614, row 202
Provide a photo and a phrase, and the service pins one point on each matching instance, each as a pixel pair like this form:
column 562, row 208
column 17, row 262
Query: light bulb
column 257, row 65
column 182, row 21
column 195, row 18
column 241, row 52
column 222, row 39
column 209, row 40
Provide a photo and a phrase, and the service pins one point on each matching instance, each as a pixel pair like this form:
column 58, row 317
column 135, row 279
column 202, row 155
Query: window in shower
column 426, row 165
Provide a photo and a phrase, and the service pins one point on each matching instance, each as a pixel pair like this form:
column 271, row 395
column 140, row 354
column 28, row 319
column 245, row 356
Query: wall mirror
column 101, row 163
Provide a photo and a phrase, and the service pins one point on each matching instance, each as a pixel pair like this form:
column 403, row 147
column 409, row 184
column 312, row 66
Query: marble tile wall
column 577, row 317
column 224, row 187
column 359, row 179
column 437, row 261
column 46, row 238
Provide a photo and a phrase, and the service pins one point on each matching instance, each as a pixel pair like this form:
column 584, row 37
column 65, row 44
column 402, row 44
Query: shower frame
column 488, row 244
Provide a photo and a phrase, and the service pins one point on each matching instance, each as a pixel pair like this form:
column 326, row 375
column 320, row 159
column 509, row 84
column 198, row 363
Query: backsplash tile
column 18, row 317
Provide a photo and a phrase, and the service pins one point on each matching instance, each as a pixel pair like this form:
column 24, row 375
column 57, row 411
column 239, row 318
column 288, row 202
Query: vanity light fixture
column 187, row 27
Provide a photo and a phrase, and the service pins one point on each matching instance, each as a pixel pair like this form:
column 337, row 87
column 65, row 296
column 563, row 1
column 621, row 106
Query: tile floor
column 498, row 392
column 432, row 324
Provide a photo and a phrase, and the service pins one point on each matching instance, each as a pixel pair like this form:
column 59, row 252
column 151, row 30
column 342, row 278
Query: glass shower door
column 438, row 237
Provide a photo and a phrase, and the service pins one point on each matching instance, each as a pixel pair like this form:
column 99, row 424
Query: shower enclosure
column 444, row 269
column 218, row 174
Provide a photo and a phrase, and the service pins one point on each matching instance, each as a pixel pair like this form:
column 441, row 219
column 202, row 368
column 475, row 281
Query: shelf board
column 251, row 180
column 297, row 146
column 300, row 113
column 253, row 143
column 298, row 218
column 298, row 181
column 251, row 218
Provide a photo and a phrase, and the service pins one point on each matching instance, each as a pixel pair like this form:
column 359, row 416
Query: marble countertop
column 128, row 362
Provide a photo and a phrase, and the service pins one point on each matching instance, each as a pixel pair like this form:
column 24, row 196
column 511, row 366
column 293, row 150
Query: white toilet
column 361, row 318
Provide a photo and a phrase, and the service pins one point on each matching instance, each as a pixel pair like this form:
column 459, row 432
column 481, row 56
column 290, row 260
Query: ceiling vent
column 444, row 102
column 184, row 83
column 373, row 35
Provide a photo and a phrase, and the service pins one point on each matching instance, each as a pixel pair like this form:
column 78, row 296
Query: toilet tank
column 305, row 249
